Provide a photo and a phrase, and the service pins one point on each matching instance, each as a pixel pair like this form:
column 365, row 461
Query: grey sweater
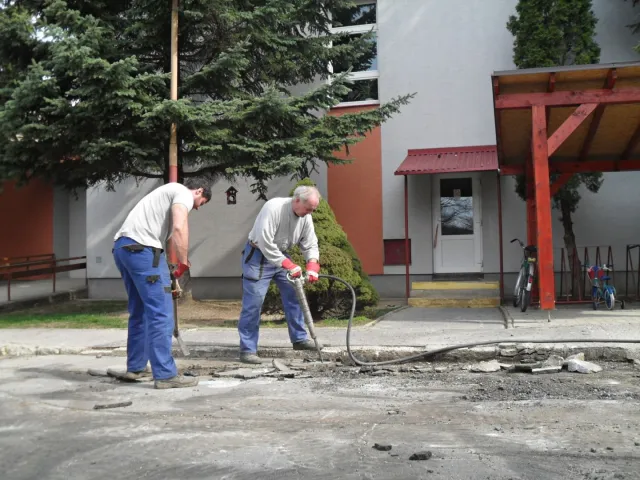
column 277, row 228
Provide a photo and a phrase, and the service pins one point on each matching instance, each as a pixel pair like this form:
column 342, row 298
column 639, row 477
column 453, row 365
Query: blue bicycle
column 601, row 290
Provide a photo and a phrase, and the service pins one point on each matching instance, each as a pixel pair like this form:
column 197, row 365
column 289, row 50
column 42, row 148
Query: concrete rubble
column 486, row 367
column 552, row 364
column 581, row 366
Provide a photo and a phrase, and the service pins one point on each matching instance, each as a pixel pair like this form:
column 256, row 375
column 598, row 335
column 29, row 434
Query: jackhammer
column 299, row 286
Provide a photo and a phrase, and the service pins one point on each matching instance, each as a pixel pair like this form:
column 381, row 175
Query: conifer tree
column 85, row 89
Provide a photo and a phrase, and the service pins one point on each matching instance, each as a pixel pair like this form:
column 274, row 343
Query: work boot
column 129, row 376
column 248, row 357
column 146, row 373
column 307, row 345
column 179, row 381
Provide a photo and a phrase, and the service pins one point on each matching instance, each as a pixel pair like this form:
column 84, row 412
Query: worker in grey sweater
column 281, row 224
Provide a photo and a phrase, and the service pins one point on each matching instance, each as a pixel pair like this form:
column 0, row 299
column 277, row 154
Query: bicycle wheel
column 609, row 299
column 526, row 300
column 518, row 288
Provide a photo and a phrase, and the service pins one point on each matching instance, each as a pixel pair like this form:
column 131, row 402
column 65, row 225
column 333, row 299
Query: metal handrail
column 10, row 271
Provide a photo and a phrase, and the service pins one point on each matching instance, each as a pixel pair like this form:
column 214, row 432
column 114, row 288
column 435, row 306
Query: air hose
column 431, row 353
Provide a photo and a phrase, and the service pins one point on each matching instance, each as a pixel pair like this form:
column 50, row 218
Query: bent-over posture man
column 140, row 257
column 282, row 223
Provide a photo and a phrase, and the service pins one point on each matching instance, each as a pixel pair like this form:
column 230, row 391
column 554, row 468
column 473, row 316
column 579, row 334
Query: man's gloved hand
column 180, row 269
column 294, row 269
column 313, row 269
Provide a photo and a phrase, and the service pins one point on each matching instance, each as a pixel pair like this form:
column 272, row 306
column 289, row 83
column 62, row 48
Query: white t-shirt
column 149, row 223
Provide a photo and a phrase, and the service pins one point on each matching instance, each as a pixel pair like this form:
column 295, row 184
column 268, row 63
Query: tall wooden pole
column 173, row 142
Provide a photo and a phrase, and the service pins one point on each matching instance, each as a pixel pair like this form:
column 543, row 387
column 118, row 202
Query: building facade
column 444, row 51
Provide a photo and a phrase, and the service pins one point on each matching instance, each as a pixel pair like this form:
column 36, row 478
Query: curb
column 504, row 352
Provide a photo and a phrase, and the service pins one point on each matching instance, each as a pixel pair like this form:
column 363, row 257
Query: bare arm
column 180, row 232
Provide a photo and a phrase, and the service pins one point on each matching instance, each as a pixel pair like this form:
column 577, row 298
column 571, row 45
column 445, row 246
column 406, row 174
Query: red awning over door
column 449, row 160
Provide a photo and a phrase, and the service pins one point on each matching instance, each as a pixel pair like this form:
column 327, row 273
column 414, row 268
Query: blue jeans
column 150, row 309
column 257, row 274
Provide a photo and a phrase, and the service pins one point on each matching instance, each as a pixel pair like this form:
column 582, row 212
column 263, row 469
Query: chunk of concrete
column 576, row 356
column 555, row 369
column 581, row 366
column 486, row 367
column 508, row 352
column 553, row 361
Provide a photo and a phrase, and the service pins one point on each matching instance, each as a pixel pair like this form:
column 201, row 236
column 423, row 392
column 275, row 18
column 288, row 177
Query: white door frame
column 477, row 224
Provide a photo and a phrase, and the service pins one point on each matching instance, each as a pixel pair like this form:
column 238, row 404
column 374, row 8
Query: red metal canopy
column 449, row 160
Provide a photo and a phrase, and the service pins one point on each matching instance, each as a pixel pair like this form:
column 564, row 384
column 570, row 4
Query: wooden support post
column 173, row 139
column 569, row 126
column 543, row 207
column 559, row 182
column 531, row 205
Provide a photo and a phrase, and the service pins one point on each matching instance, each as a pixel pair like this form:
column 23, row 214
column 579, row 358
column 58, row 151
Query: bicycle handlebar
column 517, row 240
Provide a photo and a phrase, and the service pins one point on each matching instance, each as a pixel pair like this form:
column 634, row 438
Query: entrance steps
column 455, row 294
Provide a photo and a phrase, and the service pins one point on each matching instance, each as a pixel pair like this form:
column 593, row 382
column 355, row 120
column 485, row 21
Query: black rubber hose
column 431, row 353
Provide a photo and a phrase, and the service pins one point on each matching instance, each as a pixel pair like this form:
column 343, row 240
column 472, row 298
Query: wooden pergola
column 593, row 112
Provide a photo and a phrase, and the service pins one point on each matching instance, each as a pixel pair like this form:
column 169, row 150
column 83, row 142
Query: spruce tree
column 85, row 89
column 549, row 33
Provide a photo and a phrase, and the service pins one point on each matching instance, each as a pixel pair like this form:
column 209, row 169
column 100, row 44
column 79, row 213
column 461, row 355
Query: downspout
column 500, row 238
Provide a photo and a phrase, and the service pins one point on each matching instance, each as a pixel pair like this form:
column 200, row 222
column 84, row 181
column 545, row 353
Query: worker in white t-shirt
column 281, row 224
column 159, row 219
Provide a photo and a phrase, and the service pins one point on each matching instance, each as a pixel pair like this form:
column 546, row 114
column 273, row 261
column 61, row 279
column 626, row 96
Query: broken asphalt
column 407, row 331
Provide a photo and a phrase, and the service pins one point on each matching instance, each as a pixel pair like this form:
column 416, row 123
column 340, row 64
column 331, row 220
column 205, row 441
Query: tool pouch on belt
column 156, row 257
column 253, row 270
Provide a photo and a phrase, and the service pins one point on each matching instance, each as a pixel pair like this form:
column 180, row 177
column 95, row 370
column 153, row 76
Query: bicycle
column 601, row 290
column 524, row 283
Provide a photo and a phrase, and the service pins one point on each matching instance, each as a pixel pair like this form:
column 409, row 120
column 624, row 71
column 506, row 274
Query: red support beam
column 567, row 98
column 551, row 87
column 609, row 83
column 579, row 167
column 633, row 142
column 559, row 182
column 531, row 204
column 543, row 208
column 569, row 126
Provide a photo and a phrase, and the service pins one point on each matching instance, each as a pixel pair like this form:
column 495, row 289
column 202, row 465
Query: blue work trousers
column 150, row 308
column 257, row 274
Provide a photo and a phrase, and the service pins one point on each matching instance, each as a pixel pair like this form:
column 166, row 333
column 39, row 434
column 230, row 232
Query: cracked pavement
column 496, row 426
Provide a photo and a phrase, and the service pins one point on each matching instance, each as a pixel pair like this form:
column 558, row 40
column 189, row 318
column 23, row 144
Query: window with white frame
column 356, row 21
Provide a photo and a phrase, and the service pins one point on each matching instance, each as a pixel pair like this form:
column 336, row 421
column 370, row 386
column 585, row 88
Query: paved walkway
column 410, row 327
column 35, row 289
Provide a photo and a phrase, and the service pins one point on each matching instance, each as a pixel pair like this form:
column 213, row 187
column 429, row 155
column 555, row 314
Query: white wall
column 217, row 230
column 446, row 51
column 78, row 229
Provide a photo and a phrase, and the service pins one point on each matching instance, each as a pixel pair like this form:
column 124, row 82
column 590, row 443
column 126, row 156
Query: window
column 355, row 22
column 456, row 206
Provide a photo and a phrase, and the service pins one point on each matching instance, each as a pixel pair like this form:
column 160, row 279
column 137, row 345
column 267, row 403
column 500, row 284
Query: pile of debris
column 278, row 369
column 553, row 364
